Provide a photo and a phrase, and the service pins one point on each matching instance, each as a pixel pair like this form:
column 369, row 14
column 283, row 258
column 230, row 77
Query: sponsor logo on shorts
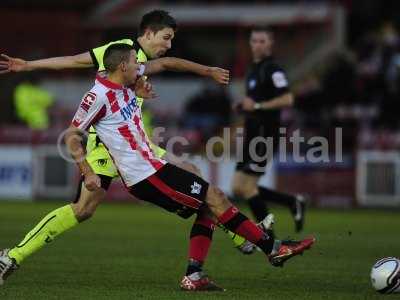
column 196, row 188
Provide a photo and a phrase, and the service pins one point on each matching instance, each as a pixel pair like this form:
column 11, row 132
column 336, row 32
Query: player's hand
column 248, row 104
column 220, row 75
column 12, row 64
column 144, row 89
column 92, row 182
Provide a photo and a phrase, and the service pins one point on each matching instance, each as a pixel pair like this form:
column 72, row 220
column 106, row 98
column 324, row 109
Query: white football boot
column 265, row 225
column 7, row 265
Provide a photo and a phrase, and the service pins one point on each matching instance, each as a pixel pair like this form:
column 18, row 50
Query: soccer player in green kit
column 156, row 32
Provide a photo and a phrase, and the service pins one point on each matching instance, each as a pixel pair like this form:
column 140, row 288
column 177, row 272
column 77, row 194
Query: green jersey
column 97, row 55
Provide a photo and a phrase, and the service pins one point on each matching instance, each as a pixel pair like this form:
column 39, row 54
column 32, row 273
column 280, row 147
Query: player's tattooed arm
column 73, row 140
column 13, row 64
column 182, row 65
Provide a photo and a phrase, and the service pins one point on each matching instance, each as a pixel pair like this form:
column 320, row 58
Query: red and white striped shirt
column 113, row 111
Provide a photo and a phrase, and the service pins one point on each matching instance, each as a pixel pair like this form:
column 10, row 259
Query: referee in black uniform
column 267, row 92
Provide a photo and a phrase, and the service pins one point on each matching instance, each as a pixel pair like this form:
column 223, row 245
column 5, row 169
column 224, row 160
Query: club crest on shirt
column 87, row 101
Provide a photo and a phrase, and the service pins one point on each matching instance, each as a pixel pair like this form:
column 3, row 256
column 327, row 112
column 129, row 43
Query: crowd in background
column 357, row 90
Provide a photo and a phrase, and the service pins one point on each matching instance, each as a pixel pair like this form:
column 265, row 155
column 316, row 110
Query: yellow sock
column 55, row 223
column 236, row 239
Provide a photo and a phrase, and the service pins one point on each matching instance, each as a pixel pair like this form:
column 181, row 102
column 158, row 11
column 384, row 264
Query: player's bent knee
column 217, row 201
column 86, row 206
column 83, row 213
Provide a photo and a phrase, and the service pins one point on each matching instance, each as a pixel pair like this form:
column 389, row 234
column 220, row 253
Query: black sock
column 277, row 197
column 266, row 244
column 258, row 207
column 193, row 267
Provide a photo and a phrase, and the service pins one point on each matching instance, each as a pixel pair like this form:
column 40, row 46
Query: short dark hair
column 265, row 29
column 115, row 54
column 156, row 20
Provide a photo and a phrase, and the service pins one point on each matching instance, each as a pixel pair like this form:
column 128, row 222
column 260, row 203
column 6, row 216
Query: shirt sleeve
column 277, row 79
column 90, row 111
column 97, row 54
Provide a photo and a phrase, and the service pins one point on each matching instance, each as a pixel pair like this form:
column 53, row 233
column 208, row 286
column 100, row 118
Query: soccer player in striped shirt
column 113, row 110
column 156, row 33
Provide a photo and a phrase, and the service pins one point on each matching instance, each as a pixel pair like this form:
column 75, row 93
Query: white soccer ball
column 385, row 275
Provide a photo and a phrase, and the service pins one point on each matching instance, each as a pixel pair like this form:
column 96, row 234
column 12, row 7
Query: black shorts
column 105, row 184
column 173, row 189
column 255, row 163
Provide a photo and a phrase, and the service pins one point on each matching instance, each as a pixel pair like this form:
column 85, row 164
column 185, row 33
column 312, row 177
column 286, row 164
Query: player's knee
column 88, row 211
column 85, row 208
column 216, row 200
column 83, row 212
column 85, row 215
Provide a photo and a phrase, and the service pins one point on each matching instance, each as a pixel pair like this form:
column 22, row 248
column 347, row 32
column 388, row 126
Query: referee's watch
column 257, row 106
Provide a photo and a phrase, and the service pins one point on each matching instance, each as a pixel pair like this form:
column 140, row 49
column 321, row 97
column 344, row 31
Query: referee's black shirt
column 266, row 80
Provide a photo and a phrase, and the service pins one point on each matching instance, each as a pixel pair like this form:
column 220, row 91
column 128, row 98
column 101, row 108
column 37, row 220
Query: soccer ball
column 385, row 275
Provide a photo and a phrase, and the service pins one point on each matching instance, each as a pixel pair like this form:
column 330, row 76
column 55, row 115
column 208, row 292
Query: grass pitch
column 139, row 252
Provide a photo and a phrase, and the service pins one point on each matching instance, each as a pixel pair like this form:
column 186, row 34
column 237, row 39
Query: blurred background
column 342, row 57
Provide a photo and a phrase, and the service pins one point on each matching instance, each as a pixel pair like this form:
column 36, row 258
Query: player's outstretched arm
column 182, row 65
column 13, row 64
column 73, row 140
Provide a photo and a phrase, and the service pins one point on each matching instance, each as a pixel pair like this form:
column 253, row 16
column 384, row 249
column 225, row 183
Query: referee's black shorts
column 255, row 157
column 173, row 189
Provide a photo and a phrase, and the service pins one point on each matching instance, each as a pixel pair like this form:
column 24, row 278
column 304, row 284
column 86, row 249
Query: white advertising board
column 15, row 172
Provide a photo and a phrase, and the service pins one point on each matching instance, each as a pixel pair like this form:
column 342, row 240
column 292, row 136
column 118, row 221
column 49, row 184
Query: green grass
column 139, row 252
